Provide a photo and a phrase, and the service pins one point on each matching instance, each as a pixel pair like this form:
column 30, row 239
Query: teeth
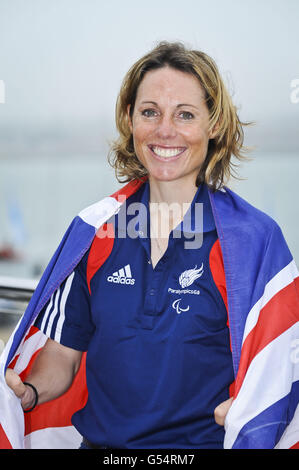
column 162, row 152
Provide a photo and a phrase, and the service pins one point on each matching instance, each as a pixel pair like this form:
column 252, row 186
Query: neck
column 171, row 192
column 169, row 202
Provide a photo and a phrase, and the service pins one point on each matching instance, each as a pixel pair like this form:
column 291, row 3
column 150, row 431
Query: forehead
column 169, row 83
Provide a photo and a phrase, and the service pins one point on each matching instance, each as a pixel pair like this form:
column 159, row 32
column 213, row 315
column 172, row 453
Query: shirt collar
column 198, row 218
column 134, row 214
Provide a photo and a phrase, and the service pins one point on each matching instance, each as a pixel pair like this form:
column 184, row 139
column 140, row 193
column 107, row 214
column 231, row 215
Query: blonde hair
column 217, row 167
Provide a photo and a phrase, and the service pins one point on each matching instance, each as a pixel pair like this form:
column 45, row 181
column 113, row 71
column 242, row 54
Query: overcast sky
column 62, row 61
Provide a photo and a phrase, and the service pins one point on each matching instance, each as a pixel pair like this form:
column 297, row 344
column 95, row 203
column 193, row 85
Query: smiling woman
column 201, row 97
column 170, row 141
column 181, row 337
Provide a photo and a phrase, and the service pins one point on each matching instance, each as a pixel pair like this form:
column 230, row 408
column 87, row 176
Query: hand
column 22, row 391
column 221, row 411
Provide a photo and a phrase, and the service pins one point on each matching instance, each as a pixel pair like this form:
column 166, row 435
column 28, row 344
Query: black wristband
column 36, row 397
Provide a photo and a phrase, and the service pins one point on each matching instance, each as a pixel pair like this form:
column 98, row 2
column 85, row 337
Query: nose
column 166, row 128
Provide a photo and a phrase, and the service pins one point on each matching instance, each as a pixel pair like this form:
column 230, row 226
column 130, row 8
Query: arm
column 52, row 374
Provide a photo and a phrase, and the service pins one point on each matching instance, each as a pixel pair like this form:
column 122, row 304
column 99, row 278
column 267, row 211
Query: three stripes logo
column 122, row 276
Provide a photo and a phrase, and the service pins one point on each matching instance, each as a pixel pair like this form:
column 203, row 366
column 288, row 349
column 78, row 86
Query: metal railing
column 15, row 294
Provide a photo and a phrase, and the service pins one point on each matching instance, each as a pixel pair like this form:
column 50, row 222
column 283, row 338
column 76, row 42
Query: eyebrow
column 178, row 106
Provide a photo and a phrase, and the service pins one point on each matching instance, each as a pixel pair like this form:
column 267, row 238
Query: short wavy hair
column 228, row 141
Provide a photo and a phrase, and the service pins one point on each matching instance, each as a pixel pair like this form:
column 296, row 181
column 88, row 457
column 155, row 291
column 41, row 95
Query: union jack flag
column 263, row 310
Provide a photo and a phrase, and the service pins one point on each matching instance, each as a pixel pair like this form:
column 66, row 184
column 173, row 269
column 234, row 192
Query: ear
column 129, row 118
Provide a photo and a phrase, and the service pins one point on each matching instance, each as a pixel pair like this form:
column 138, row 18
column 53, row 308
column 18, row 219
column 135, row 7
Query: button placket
column 151, row 298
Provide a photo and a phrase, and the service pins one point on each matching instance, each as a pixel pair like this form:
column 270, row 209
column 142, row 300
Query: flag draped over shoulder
column 263, row 309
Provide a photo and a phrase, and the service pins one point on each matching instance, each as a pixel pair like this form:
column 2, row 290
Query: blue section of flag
column 266, row 429
column 254, row 251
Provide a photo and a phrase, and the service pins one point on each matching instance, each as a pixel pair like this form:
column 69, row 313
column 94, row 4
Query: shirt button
column 152, row 292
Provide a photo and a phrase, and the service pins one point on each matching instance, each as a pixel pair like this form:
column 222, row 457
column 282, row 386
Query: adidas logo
column 123, row 276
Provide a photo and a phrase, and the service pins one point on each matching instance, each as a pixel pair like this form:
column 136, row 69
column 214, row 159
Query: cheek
column 139, row 142
column 141, row 133
column 196, row 137
column 138, row 139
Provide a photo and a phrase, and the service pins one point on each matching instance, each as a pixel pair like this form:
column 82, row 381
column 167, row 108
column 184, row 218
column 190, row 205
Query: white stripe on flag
column 31, row 345
column 253, row 398
column 282, row 279
column 97, row 214
column 66, row 437
column 11, row 413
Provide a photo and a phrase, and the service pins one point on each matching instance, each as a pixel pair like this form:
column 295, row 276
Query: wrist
column 30, row 398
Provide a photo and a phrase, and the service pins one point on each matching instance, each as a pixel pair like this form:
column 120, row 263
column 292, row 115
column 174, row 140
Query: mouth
column 166, row 153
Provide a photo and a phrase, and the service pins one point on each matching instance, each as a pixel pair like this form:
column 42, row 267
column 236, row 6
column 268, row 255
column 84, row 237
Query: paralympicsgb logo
column 188, row 277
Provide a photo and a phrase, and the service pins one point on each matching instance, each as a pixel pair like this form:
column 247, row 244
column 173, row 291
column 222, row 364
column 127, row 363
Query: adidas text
column 122, row 276
column 121, row 280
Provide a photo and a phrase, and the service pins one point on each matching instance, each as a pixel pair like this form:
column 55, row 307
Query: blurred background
column 61, row 66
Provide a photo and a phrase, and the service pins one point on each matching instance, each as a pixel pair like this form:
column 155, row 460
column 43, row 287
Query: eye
column 186, row 115
column 149, row 113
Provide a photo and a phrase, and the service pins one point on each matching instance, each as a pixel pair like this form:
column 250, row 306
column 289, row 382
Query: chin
column 160, row 175
column 163, row 176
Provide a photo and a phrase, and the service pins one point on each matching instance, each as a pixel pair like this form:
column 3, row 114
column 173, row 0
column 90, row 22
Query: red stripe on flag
column 232, row 389
column 295, row 446
column 279, row 314
column 129, row 188
column 31, row 332
column 4, row 442
column 58, row 412
column 13, row 362
column 26, row 371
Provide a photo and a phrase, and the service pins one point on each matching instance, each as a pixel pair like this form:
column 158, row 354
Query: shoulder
column 234, row 210
column 99, row 212
column 240, row 224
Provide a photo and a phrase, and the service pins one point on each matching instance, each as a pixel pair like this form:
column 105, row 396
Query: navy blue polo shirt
column 159, row 358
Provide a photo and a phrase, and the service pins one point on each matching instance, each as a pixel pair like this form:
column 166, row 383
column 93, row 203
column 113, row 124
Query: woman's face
column 170, row 125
